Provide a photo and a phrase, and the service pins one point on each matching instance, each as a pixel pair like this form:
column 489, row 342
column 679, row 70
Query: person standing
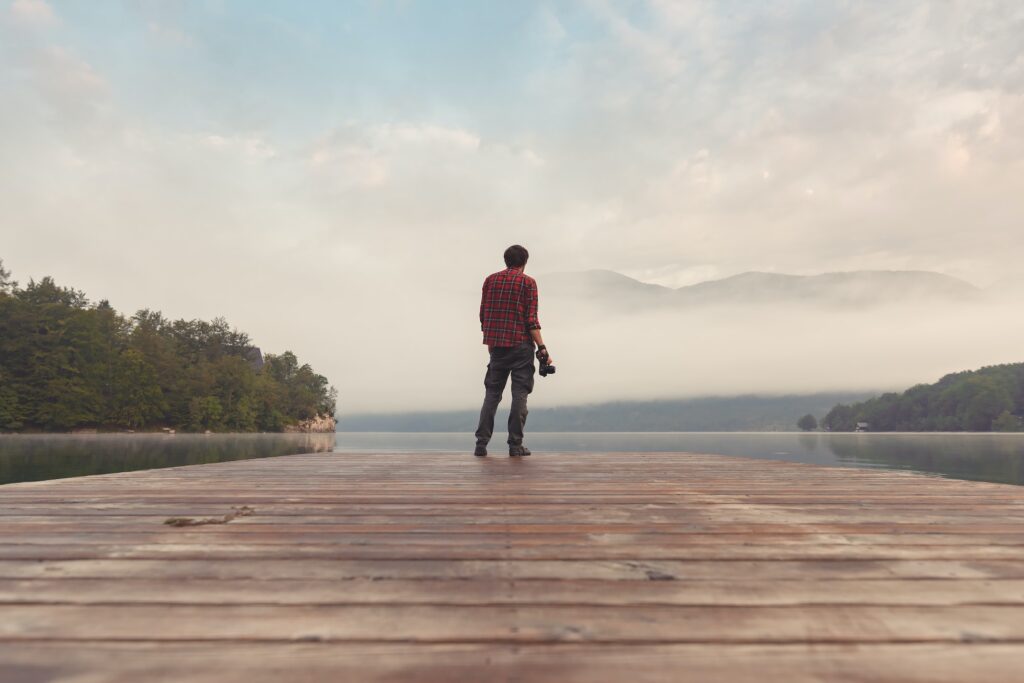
column 508, row 318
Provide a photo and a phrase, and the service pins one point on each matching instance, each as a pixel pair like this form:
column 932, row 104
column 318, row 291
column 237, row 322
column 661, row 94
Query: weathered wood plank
column 518, row 623
column 527, row 521
column 179, row 569
column 285, row 535
column 567, row 567
column 497, row 548
column 483, row 591
column 223, row 662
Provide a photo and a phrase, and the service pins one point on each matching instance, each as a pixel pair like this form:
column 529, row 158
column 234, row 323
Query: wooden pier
column 558, row 567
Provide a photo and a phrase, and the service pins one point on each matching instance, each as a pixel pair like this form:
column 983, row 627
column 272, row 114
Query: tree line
column 66, row 363
column 989, row 399
column 750, row 413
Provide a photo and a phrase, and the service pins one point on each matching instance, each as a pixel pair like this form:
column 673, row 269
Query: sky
column 336, row 178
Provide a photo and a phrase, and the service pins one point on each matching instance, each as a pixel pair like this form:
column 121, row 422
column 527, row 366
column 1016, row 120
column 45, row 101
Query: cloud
column 364, row 156
column 551, row 27
column 390, row 135
column 169, row 34
column 797, row 133
column 32, row 12
column 674, row 141
column 253, row 147
column 652, row 48
column 66, row 75
column 377, row 180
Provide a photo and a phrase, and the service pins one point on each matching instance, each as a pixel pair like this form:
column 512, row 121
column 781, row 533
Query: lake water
column 982, row 457
column 33, row 457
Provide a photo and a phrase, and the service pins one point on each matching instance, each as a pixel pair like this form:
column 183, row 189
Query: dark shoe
column 480, row 451
column 519, row 451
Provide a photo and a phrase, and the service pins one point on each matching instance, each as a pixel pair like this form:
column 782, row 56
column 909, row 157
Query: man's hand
column 543, row 356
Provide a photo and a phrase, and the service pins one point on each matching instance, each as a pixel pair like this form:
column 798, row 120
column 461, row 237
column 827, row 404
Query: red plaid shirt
column 508, row 308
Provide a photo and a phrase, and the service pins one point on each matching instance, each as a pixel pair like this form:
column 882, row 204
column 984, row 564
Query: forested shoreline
column 750, row 413
column 989, row 399
column 67, row 363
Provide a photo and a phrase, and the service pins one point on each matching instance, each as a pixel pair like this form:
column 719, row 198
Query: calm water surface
column 982, row 457
column 33, row 457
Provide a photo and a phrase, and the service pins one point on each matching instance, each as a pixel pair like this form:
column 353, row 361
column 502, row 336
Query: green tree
column 11, row 418
column 807, row 423
column 46, row 291
column 963, row 401
column 205, row 412
column 136, row 399
column 67, row 363
column 842, row 418
column 1006, row 422
column 6, row 283
column 235, row 387
column 985, row 402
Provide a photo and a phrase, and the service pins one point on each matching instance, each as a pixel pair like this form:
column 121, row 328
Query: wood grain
column 574, row 567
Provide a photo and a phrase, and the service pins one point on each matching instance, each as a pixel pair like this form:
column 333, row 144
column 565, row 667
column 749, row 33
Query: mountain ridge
column 746, row 412
column 845, row 288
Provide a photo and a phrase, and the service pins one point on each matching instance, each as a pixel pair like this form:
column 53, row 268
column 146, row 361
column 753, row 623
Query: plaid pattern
column 508, row 308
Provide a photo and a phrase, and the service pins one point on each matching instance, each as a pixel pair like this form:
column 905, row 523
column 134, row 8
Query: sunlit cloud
column 33, row 12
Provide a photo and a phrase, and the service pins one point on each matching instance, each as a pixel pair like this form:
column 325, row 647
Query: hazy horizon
column 337, row 180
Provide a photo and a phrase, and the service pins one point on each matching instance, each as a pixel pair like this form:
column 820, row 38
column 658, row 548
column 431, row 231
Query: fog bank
column 700, row 351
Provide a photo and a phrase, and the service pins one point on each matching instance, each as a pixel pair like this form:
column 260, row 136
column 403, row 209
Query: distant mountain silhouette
column 726, row 414
column 848, row 289
column 604, row 288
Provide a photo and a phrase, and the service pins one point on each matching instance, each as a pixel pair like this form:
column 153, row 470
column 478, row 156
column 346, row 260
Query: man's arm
column 539, row 340
column 532, row 322
column 483, row 301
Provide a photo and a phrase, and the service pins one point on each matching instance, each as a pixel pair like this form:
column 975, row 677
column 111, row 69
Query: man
column 508, row 318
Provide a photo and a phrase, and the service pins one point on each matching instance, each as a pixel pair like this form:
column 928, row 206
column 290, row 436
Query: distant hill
column 848, row 289
column 989, row 399
column 729, row 414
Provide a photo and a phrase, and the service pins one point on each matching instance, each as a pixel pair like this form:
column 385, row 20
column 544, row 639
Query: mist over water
column 607, row 350
column 775, row 350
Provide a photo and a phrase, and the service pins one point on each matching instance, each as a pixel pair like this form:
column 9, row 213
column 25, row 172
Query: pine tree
column 807, row 423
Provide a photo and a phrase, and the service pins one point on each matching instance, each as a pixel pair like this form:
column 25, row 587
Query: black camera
column 546, row 368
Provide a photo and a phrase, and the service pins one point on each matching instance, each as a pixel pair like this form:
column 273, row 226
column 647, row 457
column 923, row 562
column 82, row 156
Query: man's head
column 516, row 256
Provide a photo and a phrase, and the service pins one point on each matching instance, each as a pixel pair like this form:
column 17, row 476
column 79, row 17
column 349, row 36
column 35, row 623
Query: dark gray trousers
column 516, row 361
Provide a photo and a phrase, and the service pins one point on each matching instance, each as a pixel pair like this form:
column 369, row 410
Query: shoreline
column 321, row 424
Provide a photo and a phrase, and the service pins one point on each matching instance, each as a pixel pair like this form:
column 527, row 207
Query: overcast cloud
column 337, row 178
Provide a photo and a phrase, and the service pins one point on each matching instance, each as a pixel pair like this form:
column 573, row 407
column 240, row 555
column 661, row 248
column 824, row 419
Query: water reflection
column 979, row 457
column 34, row 457
column 982, row 457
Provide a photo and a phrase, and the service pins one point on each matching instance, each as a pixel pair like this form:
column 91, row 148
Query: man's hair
column 516, row 256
